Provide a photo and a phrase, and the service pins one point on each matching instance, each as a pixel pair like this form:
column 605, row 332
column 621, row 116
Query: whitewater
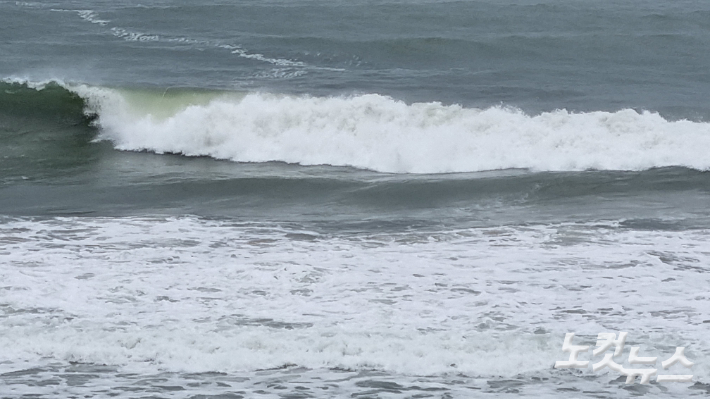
column 184, row 295
column 379, row 133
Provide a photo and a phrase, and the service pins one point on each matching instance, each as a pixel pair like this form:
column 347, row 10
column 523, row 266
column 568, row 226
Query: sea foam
column 195, row 295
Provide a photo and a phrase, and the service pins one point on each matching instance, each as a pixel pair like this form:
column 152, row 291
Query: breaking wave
column 380, row 133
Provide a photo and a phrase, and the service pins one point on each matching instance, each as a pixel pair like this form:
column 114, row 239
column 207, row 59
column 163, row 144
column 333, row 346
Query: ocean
column 363, row 199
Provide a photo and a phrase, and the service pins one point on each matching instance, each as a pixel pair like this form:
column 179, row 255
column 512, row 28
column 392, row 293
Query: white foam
column 238, row 50
column 185, row 294
column 137, row 36
column 382, row 134
column 134, row 36
column 91, row 16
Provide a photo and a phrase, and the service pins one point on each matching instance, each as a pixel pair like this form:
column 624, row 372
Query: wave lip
column 379, row 133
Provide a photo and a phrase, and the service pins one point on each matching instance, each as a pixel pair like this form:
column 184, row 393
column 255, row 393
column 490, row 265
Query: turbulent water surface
column 373, row 199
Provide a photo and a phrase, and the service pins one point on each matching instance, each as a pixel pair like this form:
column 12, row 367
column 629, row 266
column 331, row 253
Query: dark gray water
column 350, row 199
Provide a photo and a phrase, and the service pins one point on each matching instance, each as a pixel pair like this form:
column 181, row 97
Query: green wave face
column 48, row 129
column 161, row 104
column 43, row 131
column 50, row 102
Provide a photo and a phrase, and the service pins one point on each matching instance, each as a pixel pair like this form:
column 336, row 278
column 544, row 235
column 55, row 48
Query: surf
column 383, row 134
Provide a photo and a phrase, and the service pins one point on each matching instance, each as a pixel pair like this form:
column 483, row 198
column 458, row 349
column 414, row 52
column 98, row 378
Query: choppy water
column 350, row 199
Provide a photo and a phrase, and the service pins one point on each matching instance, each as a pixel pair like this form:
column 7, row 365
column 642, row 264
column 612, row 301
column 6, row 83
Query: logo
column 606, row 341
